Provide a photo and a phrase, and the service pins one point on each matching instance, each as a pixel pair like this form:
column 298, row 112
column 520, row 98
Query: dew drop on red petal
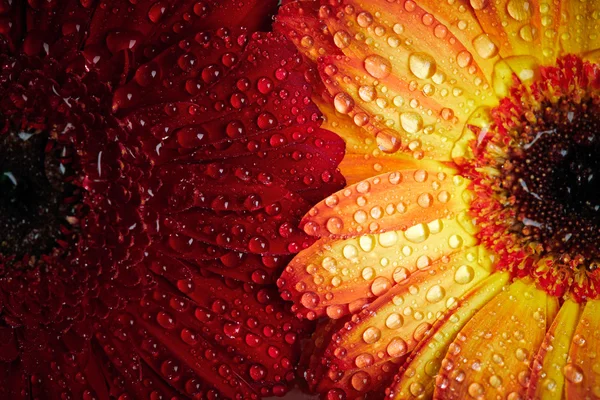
column 170, row 370
column 258, row 244
column 148, row 74
column 336, row 394
column 211, row 73
column 235, row 129
column 265, row 85
column 258, row 372
column 165, row 320
column 189, row 337
column 253, row 340
column 266, row 121
column 157, row 10
column 200, row 9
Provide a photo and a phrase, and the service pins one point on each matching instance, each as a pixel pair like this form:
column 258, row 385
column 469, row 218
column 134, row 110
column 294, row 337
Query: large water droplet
column 378, row 67
column 422, row 65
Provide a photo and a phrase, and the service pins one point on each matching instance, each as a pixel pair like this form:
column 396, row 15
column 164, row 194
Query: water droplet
column 411, row 122
column 371, row 335
column 520, row 10
column 397, row 347
column 417, row 233
column 364, row 19
column 435, row 293
column 378, row 67
column 310, row 300
column 479, row 4
column 573, row 373
column 334, row 225
column 343, row 103
column 464, row 274
column 360, row 381
column 367, row 93
column 380, row 286
column 394, row 321
column 387, row 142
column 342, row 39
column 484, row 46
column 422, row 65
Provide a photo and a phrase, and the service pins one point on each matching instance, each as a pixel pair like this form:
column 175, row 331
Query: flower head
column 463, row 257
column 155, row 159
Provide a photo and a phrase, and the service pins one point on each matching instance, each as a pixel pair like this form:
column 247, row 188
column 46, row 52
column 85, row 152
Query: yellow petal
column 491, row 356
column 511, row 26
column 417, row 376
column 547, row 377
column 579, row 31
column 582, row 372
column 334, row 278
column 392, row 201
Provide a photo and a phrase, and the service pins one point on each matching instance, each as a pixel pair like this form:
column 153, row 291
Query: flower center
column 34, row 193
column 536, row 179
column 554, row 175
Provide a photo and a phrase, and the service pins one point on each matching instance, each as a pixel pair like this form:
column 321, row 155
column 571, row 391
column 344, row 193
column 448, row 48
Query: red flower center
column 36, row 199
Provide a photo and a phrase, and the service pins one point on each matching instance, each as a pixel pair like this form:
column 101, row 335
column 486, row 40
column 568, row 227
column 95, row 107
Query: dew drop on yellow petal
column 464, row 274
column 435, row 293
column 366, row 243
column 371, row 335
column 367, row 273
column 411, row 122
column 422, row 65
column 484, row 46
column 520, row 10
column 394, row 321
column 380, row 286
column 378, row 67
column 417, row 234
column 388, row 239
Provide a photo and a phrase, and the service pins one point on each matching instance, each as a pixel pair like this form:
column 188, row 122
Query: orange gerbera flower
column 463, row 257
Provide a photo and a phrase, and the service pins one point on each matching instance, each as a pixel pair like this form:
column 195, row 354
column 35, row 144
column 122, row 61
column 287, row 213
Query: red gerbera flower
column 153, row 168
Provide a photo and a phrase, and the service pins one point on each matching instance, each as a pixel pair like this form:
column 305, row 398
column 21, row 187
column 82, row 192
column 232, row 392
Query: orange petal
column 390, row 79
column 392, row 326
column 582, row 372
column 365, row 157
column 547, row 377
column 391, row 201
column 416, row 378
column 491, row 356
column 336, row 277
